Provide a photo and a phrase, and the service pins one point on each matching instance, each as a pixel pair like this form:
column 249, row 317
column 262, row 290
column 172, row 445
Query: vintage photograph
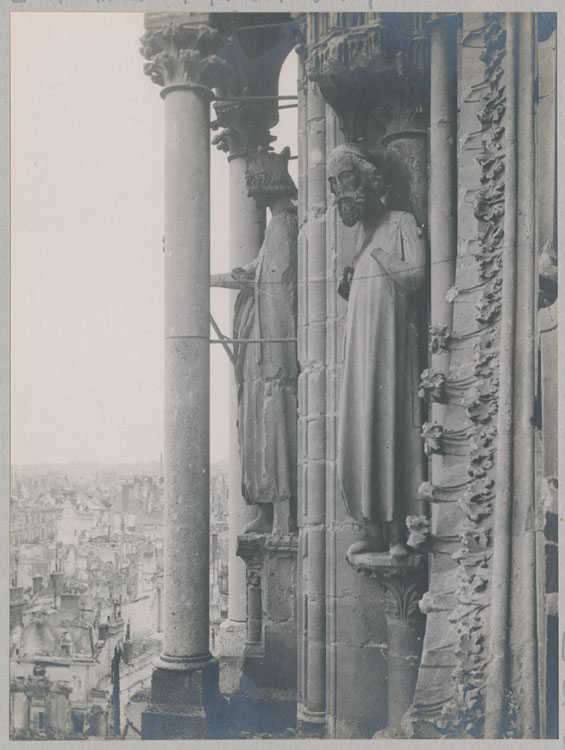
column 284, row 395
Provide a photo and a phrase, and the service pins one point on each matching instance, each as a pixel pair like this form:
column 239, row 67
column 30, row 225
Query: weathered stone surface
column 363, row 710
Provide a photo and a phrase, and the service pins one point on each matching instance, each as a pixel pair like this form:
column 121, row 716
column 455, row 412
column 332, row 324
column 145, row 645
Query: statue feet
column 263, row 522
column 367, row 544
column 284, row 517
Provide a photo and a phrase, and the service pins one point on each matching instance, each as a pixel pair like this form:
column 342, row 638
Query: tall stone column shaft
column 247, row 229
column 184, row 684
column 187, row 373
column 312, row 390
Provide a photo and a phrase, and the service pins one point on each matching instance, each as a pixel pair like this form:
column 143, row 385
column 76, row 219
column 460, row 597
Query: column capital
column 254, row 57
column 179, row 54
column 403, row 580
column 244, row 127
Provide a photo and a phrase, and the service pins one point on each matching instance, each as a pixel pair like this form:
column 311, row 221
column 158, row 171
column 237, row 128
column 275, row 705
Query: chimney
column 70, row 605
column 57, row 581
column 127, row 649
column 16, row 613
column 37, row 583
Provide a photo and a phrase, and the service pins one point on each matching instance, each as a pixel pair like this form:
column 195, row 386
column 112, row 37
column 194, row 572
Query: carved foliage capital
column 402, row 579
column 244, row 127
column 402, row 595
column 180, row 54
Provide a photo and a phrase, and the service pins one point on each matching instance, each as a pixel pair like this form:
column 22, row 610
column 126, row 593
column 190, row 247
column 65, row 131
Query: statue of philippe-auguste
column 379, row 451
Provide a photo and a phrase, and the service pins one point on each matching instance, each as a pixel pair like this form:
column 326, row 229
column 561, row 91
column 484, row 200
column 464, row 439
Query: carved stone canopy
column 374, row 77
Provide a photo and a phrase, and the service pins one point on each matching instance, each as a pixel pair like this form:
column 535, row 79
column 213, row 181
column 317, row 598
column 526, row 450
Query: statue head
column 358, row 179
column 267, row 177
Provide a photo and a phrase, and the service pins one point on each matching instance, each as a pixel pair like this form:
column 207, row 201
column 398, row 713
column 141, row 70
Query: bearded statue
column 379, row 451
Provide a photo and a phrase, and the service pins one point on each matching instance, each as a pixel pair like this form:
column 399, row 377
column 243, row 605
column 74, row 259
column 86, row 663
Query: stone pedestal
column 266, row 700
column 185, row 703
column 403, row 580
column 229, row 649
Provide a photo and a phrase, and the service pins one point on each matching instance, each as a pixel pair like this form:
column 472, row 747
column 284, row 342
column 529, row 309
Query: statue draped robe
column 266, row 374
column 380, row 458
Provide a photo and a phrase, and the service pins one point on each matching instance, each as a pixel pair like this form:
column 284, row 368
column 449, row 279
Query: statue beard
column 351, row 209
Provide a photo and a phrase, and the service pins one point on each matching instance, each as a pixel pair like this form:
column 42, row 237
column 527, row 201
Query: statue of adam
column 266, row 372
column 379, row 458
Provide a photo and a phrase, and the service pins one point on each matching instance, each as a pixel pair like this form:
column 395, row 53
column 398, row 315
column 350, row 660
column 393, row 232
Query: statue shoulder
column 402, row 217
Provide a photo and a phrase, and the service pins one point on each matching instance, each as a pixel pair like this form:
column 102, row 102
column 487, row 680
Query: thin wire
column 376, row 275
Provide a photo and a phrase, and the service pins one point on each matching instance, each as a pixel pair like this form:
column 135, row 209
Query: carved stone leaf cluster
column 466, row 709
column 432, row 385
column 184, row 54
column 438, row 339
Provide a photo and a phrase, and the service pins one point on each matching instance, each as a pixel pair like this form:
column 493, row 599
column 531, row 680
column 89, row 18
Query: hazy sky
column 87, row 228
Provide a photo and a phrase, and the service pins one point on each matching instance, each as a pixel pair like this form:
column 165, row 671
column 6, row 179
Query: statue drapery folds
column 266, row 368
column 379, row 454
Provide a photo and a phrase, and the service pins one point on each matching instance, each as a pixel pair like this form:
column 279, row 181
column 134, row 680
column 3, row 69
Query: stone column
column 442, row 213
column 185, row 679
column 313, row 417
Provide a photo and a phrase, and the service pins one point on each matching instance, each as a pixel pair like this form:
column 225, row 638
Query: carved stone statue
column 379, row 459
column 266, row 372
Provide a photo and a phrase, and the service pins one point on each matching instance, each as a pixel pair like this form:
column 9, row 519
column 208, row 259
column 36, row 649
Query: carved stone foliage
column 403, row 581
column 418, row 531
column 180, row 54
column 439, row 339
column 253, row 577
column 243, row 128
column 432, row 435
column 432, row 385
column 402, row 595
column 465, row 712
column 372, row 75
